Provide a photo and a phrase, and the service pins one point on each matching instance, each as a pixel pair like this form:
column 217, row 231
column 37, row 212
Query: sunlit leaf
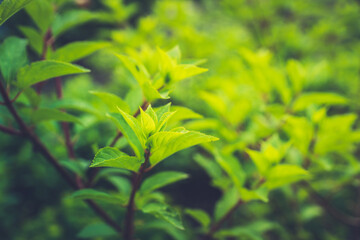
column 112, row 157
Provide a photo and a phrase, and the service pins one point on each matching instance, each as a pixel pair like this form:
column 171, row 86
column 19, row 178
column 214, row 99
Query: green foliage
column 10, row 7
column 272, row 126
column 43, row 70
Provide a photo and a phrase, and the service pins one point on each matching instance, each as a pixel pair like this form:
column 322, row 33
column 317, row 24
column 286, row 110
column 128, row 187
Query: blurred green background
column 247, row 45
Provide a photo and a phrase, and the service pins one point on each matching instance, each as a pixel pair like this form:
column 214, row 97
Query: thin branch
column 222, row 220
column 322, row 202
column 129, row 217
column 10, row 130
column 51, row 159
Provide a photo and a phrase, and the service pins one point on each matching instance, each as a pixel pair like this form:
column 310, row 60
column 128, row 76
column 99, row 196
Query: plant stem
column 51, row 159
column 10, row 130
column 222, row 220
column 129, row 217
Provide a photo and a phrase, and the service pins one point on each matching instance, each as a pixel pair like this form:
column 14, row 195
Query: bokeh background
column 248, row 47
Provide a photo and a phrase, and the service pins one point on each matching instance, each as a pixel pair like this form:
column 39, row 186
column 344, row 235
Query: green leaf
column 87, row 193
column 112, row 101
column 164, row 144
column 71, row 19
column 10, row 7
column 13, row 56
column 284, row 174
column 97, row 230
column 319, row 98
column 164, row 212
column 147, row 123
column 199, row 215
column 112, row 157
column 42, row 13
column 160, row 180
column 161, row 110
column 132, row 131
column 77, row 50
column 47, row 114
column 163, row 121
column 34, row 37
column 43, row 70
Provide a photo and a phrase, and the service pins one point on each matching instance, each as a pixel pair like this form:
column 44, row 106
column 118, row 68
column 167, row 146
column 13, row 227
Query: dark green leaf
column 12, row 57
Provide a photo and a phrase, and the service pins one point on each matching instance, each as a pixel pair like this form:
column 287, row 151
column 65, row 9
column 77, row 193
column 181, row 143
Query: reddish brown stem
column 129, row 217
column 10, row 130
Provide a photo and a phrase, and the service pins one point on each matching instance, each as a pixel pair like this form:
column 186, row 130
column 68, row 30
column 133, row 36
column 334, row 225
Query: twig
column 51, row 159
column 222, row 220
column 10, row 130
column 322, row 202
column 129, row 217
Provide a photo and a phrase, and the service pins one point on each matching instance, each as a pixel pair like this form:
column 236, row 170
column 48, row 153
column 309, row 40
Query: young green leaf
column 13, row 56
column 199, row 215
column 131, row 129
column 47, row 114
column 160, row 180
column 112, row 101
column 164, row 144
column 10, row 7
column 43, row 70
column 77, row 50
column 112, row 157
column 147, row 123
